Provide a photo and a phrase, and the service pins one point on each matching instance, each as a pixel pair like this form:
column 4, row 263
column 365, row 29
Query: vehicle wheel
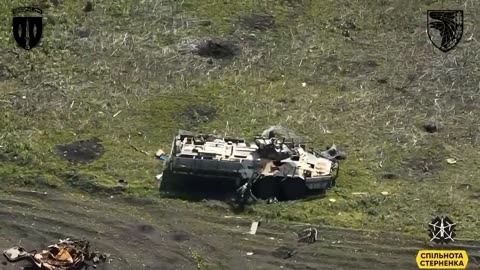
column 165, row 182
column 243, row 196
column 293, row 189
column 266, row 188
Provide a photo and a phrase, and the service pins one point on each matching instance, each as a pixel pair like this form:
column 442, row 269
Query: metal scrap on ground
column 161, row 154
column 65, row 255
column 15, row 253
column 309, row 235
column 254, row 227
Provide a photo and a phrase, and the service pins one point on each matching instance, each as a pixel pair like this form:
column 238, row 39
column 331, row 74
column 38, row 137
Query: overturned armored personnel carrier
column 269, row 167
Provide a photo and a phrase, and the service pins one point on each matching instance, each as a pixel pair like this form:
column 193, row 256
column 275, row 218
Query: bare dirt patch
column 424, row 166
column 214, row 48
column 180, row 236
column 196, row 114
column 84, row 151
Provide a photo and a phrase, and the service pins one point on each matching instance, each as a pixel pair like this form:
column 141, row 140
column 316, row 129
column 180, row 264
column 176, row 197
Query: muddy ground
column 174, row 234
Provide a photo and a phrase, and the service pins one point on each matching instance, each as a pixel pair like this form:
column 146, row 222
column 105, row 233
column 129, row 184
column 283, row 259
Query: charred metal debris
column 276, row 166
column 65, row 255
column 309, row 235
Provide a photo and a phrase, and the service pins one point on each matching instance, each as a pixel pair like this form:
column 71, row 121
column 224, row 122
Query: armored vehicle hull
column 266, row 169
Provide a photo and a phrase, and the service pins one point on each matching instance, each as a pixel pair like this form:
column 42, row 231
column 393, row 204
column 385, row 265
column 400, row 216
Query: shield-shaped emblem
column 27, row 31
column 445, row 28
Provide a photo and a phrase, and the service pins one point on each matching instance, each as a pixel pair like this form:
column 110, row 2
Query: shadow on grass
column 88, row 183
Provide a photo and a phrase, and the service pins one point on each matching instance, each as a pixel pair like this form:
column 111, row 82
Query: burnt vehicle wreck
column 270, row 168
column 67, row 254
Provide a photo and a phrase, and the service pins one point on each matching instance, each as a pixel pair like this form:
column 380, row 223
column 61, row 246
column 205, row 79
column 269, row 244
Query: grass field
column 360, row 74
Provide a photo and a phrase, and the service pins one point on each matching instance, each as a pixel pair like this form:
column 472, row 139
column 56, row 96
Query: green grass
column 370, row 93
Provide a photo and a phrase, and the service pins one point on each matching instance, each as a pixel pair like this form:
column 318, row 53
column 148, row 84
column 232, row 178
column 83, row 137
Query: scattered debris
column 451, row 161
column 123, row 182
column 281, row 132
column 291, row 253
column 84, row 151
column 161, row 154
column 117, row 113
column 309, row 235
column 359, row 193
column 15, row 253
column 249, row 253
column 65, row 255
column 332, row 200
column 237, row 217
column 254, row 227
column 284, row 252
column 333, row 154
column 272, row 200
column 384, row 193
column 139, row 150
column 465, row 186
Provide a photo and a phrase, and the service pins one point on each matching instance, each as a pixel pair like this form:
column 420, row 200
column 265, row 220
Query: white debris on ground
column 254, row 227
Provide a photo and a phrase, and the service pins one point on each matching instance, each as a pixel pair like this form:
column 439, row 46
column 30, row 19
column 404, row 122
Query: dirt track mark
column 164, row 235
